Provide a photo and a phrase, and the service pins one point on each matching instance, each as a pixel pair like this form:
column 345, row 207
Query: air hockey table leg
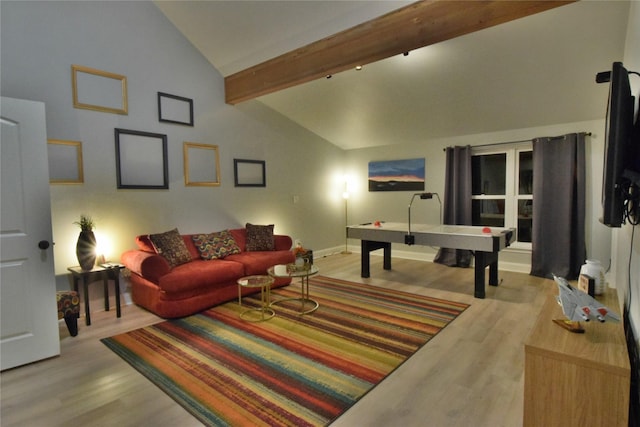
column 482, row 260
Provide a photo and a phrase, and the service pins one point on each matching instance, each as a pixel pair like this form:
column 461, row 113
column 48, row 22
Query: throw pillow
column 260, row 237
column 171, row 246
column 216, row 245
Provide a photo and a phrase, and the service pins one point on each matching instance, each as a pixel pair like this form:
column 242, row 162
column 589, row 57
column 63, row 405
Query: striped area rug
column 290, row 370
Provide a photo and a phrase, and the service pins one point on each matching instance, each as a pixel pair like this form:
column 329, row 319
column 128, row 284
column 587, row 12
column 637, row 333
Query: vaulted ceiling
column 534, row 71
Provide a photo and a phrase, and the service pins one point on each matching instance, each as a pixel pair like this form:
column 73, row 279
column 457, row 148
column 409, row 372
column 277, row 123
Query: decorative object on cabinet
column 587, row 284
column 593, row 269
column 141, row 160
column 65, row 162
column 249, row 173
column 99, row 90
column 175, row 109
column 86, row 245
column 201, row 165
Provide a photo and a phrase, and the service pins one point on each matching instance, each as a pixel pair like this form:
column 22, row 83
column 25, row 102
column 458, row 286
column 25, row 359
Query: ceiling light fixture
column 329, row 76
column 358, row 67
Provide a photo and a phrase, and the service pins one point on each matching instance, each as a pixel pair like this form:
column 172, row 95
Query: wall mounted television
column 622, row 149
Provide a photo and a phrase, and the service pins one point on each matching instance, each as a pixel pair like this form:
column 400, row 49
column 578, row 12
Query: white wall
column 40, row 41
column 392, row 206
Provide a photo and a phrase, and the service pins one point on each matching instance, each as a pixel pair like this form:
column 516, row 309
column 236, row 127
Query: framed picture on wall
column 99, row 90
column 397, row 175
column 65, row 161
column 249, row 173
column 141, row 160
column 175, row 109
column 201, row 165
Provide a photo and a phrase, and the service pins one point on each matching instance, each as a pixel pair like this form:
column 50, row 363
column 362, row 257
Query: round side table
column 304, row 274
column 264, row 283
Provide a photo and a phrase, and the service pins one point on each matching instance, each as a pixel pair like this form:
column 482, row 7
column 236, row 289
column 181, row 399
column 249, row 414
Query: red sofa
column 198, row 284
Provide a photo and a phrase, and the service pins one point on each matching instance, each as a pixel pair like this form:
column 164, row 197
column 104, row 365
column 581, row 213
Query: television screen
column 619, row 147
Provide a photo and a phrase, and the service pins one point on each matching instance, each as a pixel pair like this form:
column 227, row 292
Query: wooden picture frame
column 249, row 173
column 99, row 90
column 141, row 160
column 65, row 162
column 175, row 109
column 201, row 165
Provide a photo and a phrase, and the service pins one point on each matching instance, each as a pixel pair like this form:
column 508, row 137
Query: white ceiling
column 535, row 71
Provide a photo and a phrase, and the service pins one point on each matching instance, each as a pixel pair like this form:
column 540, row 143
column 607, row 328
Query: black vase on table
column 86, row 250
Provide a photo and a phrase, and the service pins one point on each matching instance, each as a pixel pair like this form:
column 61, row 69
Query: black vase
column 86, row 250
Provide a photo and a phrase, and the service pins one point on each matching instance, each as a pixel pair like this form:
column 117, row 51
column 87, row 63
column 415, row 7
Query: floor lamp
column 345, row 196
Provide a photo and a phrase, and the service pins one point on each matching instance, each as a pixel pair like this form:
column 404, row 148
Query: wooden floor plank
column 471, row 373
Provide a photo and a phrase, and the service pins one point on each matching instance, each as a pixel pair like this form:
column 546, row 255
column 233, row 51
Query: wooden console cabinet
column 576, row 379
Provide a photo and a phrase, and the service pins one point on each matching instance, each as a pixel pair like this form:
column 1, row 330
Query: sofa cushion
column 171, row 246
column 216, row 245
column 240, row 236
column 259, row 238
column 144, row 243
column 149, row 265
column 201, row 274
column 259, row 262
column 191, row 247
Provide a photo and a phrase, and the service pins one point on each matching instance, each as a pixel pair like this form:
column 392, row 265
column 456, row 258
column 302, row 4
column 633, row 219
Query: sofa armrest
column 282, row 243
column 150, row 266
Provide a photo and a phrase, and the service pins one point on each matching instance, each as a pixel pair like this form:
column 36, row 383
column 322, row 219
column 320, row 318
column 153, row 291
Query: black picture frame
column 249, row 173
column 141, row 160
column 175, row 109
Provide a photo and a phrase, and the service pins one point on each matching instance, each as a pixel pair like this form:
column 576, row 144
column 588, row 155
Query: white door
column 28, row 313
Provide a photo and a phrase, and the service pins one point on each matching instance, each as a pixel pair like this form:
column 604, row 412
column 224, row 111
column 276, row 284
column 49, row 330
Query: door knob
column 43, row 244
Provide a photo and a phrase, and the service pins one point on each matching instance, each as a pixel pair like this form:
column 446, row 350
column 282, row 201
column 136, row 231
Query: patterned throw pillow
column 216, row 245
column 260, row 237
column 171, row 246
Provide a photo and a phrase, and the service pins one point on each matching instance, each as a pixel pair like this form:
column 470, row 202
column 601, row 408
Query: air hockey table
column 484, row 245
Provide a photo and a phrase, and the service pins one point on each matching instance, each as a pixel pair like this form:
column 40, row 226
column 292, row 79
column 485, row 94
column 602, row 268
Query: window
column 502, row 189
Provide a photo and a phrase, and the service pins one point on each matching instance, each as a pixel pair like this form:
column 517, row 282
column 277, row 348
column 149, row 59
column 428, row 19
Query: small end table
column 282, row 270
column 264, row 283
column 107, row 271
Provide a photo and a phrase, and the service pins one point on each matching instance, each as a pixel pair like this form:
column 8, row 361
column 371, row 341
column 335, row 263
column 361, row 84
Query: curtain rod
column 494, row 144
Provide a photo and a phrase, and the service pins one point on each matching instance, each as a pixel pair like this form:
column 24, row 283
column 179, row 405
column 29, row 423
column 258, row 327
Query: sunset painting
column 397, row 175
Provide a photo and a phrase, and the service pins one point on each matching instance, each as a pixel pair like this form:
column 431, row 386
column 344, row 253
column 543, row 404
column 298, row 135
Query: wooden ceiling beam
column 414, row 26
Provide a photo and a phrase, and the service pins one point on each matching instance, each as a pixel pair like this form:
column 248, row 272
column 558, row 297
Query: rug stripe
column 264, row 362
column 291, row 370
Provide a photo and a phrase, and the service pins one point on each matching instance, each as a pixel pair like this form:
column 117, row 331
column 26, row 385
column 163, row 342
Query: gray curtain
column 558, row 236
column 457, row 202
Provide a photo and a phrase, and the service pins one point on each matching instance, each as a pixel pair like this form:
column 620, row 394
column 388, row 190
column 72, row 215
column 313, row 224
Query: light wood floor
column 471, row 373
